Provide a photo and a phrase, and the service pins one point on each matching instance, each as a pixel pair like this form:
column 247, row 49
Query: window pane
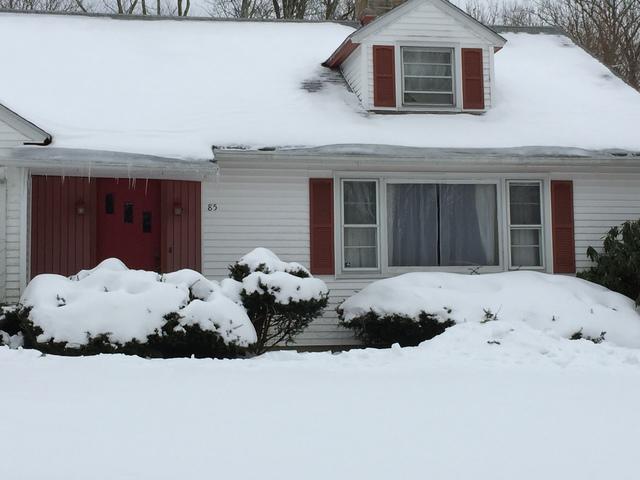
column 428, row 84
column 360, row 247
column 427, row 70
column 426, row 73
column 412, row 215
column 525, row 248
column 468, row 225
column 360, row 203
column 425, row 56
column 524, row 204
column 428, row 98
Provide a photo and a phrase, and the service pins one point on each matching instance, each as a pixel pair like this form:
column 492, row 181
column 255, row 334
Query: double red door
column 128, row 222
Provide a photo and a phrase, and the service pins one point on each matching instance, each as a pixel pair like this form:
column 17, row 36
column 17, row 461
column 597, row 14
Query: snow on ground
column 203, row 83
column 556, row 304
column 533, row 407
column 130, row 304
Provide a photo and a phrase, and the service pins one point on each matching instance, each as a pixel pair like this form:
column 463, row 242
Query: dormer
column 418, row 56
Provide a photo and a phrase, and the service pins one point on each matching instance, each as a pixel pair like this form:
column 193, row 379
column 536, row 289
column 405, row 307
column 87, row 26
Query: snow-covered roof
column 176, row 88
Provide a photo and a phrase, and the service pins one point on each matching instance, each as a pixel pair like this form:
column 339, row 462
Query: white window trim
column 454, row 79
column 542, row 227
column 342, row 226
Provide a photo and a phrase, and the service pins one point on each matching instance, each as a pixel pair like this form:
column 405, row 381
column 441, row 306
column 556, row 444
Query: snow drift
column 555, row 304
column 130, row 304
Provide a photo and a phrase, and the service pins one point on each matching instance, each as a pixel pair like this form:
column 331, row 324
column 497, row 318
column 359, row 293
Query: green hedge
column 383, row 331
column 171, row 341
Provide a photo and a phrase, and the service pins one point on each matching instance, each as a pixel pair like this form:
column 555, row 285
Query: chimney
column 369, row 10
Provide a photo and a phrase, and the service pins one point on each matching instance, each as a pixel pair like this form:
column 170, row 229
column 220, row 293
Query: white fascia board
column 380, row 23
column 34, row 133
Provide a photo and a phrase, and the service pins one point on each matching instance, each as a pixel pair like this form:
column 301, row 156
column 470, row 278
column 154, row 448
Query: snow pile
column 245, row 88
column 263, row 259
column 553, row 304
column 286, row 281
column 130, row 304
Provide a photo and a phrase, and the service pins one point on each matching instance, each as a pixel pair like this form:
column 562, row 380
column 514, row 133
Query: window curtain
column 412, row 210
column 468, row 225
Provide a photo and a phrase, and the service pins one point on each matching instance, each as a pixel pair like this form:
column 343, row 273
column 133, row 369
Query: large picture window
column 427, row 76
column 525, row 224
column 442, row 224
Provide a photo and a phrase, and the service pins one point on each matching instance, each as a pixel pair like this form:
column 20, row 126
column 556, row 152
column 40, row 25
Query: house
column 421, row 140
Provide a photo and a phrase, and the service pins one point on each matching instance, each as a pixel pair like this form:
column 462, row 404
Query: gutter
column 362, row 156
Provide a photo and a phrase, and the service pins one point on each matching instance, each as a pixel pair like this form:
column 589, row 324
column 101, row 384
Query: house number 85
column 212, row 207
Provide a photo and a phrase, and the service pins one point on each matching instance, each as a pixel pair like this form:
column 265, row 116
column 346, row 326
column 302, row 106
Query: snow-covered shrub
column 280, row 298
column 114, row 309
column 617, row 267
column 383, row 331
column 550, row 303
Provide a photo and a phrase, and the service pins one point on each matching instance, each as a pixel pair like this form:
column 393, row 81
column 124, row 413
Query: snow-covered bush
column 560, row 304
column 114, row 309
column 617, row 267
column 280, row 298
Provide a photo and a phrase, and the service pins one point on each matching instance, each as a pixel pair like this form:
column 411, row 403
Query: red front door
column 128, row 222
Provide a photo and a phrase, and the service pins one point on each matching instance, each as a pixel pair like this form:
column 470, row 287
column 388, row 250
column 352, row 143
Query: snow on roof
column 176, row 88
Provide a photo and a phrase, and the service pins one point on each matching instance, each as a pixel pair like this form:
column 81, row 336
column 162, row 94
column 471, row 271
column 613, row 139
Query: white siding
column 353, row 72
column 10, row 137
column 269, row 207
column 15, row 232
column 600, row 202
column 428, row 24
column 266, row 208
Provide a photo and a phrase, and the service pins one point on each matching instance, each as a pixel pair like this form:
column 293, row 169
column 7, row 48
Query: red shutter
column 321, row 225
column 384, row 76
column 63, row 225
column 564, row 253
column 472, row 79
column 181, row 234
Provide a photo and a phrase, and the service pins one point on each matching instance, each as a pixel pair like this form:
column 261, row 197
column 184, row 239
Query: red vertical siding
column 472, row 79
column 181, row 235
column 384, row 76
column 564, row 254
column 62, row 241
column 321, row 225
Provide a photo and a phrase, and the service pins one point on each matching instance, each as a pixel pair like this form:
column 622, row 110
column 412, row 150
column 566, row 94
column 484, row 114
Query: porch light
column 80, row 208
column 177, row 209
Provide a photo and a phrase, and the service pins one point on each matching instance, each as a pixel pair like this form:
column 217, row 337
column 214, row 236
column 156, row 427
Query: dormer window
column 427, row 77
column 420, row 56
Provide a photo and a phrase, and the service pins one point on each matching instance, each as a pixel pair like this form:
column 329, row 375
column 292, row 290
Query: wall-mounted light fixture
column 80, row 208
column 177, row 209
